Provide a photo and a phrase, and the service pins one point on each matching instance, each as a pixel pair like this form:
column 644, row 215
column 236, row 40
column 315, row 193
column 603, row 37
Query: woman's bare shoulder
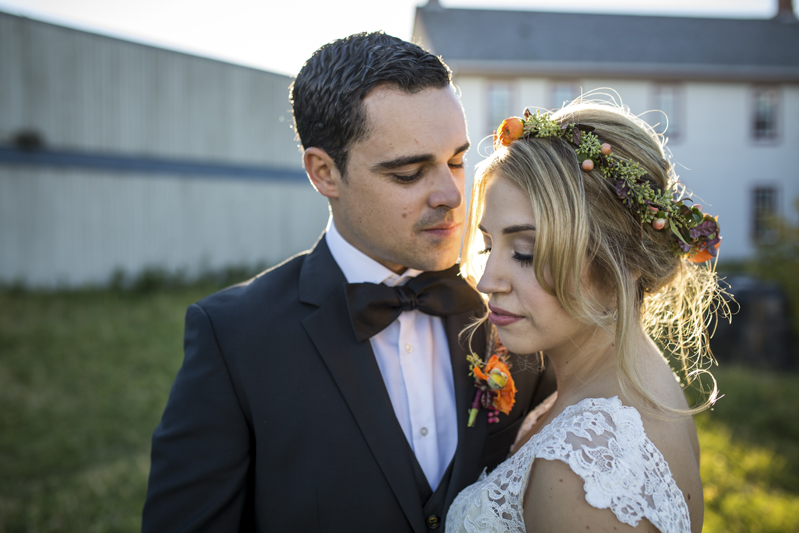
column 575, row 479
column 555, row 501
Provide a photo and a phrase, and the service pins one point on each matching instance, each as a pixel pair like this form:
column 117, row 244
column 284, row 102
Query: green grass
column 750, row 453
column 84, row 377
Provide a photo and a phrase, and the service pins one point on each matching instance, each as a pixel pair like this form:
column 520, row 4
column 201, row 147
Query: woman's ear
column 322, row 172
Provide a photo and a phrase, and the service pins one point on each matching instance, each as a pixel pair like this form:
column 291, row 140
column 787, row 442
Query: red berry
column 606, row 149
column 588, row 165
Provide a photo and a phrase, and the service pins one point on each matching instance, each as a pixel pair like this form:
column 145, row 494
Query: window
column 764, row 209
column 668, row 100
column 500, row 104
column 563, row 93
column 765, row 113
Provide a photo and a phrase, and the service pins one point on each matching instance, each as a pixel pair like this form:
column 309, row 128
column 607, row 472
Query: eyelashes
column 523, row 259
column 406, row 179
column 409, row 179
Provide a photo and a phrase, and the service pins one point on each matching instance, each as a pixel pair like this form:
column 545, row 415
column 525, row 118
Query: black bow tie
column 374, row 306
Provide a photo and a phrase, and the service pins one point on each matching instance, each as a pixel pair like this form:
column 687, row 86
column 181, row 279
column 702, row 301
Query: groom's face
column 402, row 200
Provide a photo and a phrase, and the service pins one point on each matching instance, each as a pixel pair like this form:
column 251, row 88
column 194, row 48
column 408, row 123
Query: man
column 300, row 406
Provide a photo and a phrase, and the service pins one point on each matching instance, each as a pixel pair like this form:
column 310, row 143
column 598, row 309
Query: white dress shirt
column 413, row 356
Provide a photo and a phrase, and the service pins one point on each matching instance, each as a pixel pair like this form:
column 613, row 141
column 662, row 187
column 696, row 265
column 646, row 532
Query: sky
column 279, row 35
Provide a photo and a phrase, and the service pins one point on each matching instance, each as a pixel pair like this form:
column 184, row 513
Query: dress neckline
column 544, row 407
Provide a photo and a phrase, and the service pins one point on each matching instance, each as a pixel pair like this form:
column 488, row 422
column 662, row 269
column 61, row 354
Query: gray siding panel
column 72, row 227
column 96, row 95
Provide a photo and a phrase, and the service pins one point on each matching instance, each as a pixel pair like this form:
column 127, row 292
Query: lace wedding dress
column 604, row 443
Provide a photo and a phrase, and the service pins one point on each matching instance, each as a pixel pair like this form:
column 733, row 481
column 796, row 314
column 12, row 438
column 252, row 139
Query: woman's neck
column 586, row 367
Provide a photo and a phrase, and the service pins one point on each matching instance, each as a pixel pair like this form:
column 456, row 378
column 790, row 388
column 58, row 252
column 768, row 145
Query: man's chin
column 436, row 260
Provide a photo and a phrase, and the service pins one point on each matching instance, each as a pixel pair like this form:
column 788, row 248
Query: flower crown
column 696, row 234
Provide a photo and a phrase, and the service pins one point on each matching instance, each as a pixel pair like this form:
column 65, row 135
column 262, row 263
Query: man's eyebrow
column 518, row 228
column 402, row 161
column 405, row 160
column 462, row 149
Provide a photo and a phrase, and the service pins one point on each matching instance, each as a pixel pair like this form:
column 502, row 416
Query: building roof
column 97, row 33
column 482, row 41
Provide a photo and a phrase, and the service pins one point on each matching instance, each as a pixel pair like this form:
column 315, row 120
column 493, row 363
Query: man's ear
column 322, row 172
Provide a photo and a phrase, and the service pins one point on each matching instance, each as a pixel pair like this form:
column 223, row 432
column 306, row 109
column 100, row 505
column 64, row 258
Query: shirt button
column 423, row 432
column 433, row 521
column 408, row 348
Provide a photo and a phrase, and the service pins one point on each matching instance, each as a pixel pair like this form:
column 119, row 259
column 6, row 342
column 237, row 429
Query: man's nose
column 449, row 189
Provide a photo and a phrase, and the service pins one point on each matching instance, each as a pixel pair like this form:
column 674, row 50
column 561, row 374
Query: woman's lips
column 500, row 317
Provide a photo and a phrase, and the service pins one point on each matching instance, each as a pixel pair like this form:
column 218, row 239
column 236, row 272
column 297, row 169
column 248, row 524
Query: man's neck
column 359, row 267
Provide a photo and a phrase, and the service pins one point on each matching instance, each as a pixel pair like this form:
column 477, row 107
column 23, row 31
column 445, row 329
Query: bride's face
column 528, row 318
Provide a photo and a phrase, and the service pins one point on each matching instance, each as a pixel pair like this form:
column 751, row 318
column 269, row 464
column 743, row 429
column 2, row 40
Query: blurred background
column 147, row 158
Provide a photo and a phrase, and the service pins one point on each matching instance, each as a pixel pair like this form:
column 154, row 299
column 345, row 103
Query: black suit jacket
column 279, row 419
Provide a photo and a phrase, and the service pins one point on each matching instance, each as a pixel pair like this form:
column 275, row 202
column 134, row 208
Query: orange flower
column 704, row 255
column 511, row 129
column 507, row 394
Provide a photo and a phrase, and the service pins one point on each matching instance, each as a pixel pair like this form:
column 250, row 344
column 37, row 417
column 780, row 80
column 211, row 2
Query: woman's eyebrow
column 517, row 228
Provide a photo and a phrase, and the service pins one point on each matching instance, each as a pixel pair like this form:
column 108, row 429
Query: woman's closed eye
column 524, row 259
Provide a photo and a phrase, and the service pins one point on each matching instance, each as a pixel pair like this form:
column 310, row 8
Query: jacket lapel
column 354, row 369
column 470, row 439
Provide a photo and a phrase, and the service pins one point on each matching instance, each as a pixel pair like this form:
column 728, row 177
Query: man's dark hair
column 327, row 95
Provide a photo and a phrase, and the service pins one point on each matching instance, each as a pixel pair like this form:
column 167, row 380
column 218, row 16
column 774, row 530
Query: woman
column 588, row 254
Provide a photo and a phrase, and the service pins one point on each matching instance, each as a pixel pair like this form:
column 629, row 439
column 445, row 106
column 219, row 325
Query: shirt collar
column 359, row 267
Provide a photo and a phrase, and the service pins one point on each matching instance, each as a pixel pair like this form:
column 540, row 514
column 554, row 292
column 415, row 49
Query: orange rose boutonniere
column 495, row 388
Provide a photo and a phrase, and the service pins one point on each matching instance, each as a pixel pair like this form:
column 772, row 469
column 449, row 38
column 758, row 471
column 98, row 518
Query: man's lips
column 500, row 317
column 446, row 228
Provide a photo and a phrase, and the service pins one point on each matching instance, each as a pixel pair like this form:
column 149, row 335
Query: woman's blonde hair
column 586, row 238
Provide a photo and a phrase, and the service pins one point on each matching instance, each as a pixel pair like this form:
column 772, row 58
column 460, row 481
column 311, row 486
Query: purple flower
column 622, row 189
column 704, row 228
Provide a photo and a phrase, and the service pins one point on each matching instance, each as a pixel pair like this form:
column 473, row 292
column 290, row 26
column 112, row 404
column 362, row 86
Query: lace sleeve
column 494, row 503
column 604, row 443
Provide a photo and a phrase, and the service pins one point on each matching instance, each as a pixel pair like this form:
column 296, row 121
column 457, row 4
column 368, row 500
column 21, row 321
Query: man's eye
column 462, row 164
column 409, row 178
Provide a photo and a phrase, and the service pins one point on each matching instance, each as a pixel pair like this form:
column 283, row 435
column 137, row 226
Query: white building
column 730, row 88
column 116, row 155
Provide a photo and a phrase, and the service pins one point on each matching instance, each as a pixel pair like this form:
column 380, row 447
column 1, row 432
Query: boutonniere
column 495, row 388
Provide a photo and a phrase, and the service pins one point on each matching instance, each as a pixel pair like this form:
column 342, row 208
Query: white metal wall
column 715, row 154
column 94, row 93
column 100, row 96
column 72, row 227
